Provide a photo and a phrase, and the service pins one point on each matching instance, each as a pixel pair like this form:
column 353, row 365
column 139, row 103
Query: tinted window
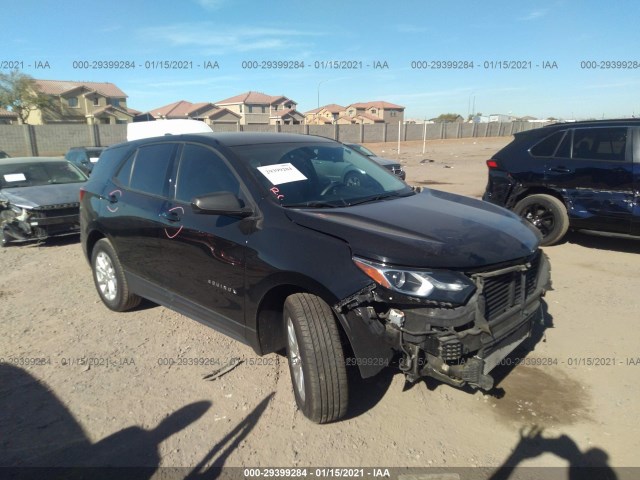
column 109, row 162
column 600, row 143
column 124, row 174
column 202, row 171
column 150, row 168
column 547, row 146
column 564, row 150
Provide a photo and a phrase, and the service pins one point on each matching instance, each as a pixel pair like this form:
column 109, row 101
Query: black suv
column 583, row 175
column 84, row 157
column 241, row 232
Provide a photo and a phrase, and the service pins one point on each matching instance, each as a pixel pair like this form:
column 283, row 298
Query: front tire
column 353, row 179
column 316, row 358
column 109, row 278
column 547, row 214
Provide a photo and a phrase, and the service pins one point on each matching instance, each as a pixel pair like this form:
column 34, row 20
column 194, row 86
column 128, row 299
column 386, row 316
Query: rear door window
column 600, row 143
column 151, row 168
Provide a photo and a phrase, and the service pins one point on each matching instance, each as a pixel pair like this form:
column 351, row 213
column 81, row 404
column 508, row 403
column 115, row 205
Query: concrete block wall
column 26, row 140
column 57, row 139
column 110, row 135
column 14, row 139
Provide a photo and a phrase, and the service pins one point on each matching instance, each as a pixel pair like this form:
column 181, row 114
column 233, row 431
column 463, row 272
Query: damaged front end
column 452, row 326
column 19, row 224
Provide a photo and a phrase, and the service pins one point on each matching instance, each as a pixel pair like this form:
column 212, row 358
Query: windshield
column 31, row 174
column 361, row 149
column 319, row 174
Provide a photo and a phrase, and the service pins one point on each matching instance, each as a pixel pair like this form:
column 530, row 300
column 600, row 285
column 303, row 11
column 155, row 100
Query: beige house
column 357, row 113
column 324, row 115
column 81, row 102
column 375, row 112
column 206, row 112
column 259, row 108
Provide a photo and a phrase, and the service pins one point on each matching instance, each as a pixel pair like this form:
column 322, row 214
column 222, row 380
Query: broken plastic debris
column 233, row 363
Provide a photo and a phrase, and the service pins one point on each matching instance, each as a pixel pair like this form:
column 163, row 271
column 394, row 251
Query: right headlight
column 438, row 285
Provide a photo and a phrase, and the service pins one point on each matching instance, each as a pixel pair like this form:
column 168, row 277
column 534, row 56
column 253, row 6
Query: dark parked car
column 84, row 157
column 243, row 233
column 38, row 198
column 583, row 175
column 391, row 165
column 4, row 154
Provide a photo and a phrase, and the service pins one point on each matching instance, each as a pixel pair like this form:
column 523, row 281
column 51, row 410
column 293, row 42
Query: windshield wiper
column 312, row 204
column 379, row 196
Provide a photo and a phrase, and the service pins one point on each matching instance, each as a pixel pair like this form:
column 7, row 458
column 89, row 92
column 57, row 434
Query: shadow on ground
column 40, row 438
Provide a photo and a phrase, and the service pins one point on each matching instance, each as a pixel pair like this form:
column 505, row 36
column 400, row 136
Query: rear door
column 593, row 169
column 137, row 200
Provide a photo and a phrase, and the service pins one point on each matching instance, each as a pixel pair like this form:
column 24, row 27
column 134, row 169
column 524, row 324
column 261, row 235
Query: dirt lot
column 579, row 386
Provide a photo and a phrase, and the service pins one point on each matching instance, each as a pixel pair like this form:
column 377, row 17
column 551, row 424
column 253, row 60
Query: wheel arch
column 90, row 243
column 267, row 319
column 538, row 190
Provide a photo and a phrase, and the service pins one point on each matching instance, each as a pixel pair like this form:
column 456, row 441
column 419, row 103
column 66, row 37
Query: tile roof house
column 81, row 102
column 356, row 113
column 327, row 114
column 7, row 117
column 259, row 108
column 375, row 112
column 205, row 111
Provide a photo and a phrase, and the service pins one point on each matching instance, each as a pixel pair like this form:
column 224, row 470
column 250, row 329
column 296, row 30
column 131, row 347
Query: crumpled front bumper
column 462, row 345
column 38, row 225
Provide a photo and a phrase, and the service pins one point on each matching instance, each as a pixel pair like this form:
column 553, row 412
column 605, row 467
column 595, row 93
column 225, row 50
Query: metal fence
column 26, row 140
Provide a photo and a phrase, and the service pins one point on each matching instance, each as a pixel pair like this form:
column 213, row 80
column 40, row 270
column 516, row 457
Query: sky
column 431, row 57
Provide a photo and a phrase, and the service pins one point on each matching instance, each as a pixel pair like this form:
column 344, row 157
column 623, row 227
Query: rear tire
column 316, row 358
column 547, row 214
column 109, row 278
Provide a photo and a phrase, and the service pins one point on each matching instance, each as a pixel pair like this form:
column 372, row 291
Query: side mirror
column 220, row 203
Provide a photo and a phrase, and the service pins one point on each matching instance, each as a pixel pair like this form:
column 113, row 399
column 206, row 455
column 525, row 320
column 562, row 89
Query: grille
column 57, row 210
column 503, row 292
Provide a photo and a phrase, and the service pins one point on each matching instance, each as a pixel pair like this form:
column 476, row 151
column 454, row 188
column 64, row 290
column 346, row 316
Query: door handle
column 561, row 170
column 113, row 198
column 171, row 215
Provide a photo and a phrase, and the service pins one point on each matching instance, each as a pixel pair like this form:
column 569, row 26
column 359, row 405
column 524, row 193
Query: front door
column 204, row 253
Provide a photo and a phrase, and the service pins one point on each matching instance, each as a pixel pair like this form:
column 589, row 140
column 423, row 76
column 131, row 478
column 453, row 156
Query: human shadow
column 589, row 465
column 219, row 453
column 40, row 438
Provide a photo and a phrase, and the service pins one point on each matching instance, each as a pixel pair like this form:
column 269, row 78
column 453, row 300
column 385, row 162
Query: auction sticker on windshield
column 15, row 177
column 282, row 173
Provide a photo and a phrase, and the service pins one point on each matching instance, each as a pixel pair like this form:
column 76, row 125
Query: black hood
column 431, row 229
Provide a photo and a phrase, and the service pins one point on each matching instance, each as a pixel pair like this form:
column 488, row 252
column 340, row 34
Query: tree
column 448, row 118
column 19, row 93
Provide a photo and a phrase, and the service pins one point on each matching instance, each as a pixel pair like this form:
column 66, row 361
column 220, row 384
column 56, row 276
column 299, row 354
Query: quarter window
column 150, row 168
column 201, row 171
column 547, row 146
